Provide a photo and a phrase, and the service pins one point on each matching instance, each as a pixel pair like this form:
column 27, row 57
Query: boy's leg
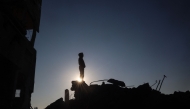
column 82, row 73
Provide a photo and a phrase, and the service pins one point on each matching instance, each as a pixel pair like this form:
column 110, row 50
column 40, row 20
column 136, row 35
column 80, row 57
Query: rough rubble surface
column 113, row 96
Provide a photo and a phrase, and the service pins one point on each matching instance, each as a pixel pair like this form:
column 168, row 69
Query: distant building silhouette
column 66, row 95
column 17, row 53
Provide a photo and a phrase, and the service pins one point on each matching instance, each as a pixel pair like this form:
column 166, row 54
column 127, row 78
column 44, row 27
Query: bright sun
column 79, row 79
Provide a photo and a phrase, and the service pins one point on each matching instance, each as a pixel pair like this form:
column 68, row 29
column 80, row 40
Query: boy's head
column 81, row 54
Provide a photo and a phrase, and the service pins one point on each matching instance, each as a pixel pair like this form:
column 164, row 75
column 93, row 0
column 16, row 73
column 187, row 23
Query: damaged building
column 115, row 95
column 17, row 52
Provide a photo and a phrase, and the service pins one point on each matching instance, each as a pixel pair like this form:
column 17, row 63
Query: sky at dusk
column 135, row 41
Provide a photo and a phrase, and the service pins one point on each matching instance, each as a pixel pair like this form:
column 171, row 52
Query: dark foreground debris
column 113, row 96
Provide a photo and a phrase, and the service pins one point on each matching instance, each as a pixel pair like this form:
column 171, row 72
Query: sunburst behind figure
column 79, row 80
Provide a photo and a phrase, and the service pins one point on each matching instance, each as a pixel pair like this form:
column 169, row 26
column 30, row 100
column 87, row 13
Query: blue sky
column 133, row 41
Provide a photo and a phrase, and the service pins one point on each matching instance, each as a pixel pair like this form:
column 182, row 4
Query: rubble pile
column 58, row 104
column 112, row 96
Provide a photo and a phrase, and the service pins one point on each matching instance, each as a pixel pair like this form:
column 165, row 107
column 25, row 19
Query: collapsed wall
column 109, row 96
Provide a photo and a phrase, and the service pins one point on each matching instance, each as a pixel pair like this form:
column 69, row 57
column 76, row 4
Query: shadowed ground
column 112, row 96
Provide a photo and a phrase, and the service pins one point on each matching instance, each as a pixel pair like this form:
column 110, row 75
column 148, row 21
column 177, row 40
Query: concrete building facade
column 17, row 53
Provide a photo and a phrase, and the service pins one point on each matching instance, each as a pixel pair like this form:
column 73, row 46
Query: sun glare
column 79, row 79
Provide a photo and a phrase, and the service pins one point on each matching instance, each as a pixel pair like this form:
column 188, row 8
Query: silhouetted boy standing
column 81, row 65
